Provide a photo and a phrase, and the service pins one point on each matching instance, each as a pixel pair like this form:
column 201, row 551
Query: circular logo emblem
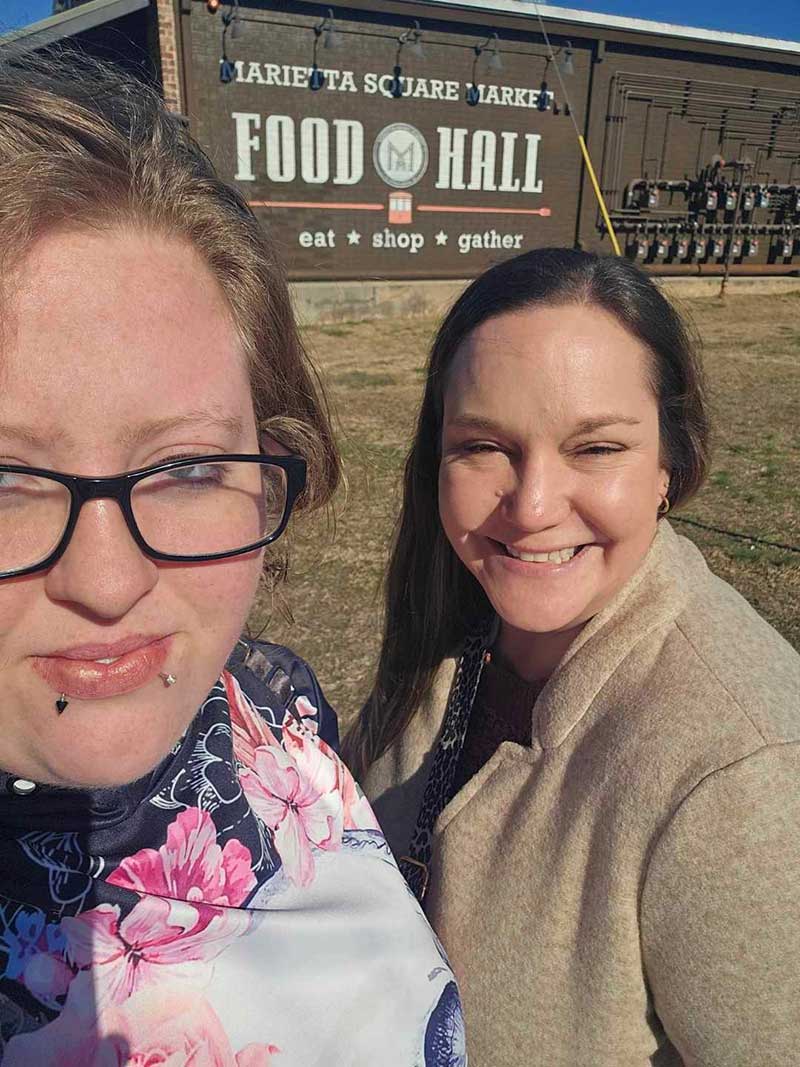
column 400, row 155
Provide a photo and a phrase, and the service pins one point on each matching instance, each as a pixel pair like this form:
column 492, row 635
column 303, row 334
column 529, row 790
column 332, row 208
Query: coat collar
column 671, row 572
column 650, row 600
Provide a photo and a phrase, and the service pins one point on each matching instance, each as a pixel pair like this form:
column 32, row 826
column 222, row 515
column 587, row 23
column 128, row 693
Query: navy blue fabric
column 283, row 662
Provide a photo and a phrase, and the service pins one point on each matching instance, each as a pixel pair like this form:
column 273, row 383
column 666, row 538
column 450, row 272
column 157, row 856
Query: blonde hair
column 84, row 144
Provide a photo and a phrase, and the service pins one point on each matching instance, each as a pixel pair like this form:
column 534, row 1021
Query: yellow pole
column 603, row 209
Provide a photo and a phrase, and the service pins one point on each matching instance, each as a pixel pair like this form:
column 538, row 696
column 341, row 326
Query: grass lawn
column 330, row 610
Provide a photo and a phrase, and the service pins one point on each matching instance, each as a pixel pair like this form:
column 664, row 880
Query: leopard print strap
column 438, row 790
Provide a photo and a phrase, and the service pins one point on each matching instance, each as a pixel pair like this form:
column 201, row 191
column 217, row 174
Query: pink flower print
column 358, row 814
column 250, row 731
column 307, row 712
column 320, row 764
column 190, row 865
column 34, row 951
column 255, row 1055
column 153, row 1029
column 158, row 941
column 47, row 976
column 300, row 810
column 315, row 760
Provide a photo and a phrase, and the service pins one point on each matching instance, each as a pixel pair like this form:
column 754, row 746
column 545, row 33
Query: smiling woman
column 578, row 493
column 583, row 747
column 188, row 872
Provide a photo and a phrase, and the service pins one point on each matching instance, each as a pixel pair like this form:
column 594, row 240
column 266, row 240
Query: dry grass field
column 330, row 611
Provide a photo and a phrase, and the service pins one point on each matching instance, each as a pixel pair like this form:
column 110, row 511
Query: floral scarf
column 237, row 907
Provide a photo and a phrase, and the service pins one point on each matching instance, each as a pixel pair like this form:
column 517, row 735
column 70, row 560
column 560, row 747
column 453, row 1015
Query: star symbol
column 441, row 238
column 353, row 237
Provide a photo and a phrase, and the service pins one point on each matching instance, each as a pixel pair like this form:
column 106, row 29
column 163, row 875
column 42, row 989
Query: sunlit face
column 551, row 473
column 118, row 352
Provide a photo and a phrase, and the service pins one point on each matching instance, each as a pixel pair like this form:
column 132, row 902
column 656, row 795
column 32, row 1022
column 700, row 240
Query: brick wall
column 168, row 47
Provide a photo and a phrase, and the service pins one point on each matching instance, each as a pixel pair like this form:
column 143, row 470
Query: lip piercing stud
column 61, row 704
column 168, row 679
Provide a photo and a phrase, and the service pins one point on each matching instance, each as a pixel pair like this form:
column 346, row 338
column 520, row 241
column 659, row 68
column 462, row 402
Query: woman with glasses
column 188, row 873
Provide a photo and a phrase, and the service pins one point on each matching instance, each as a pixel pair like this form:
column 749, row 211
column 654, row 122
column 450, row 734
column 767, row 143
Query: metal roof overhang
column 595, row 21
column 67, row 24
column 563, row 20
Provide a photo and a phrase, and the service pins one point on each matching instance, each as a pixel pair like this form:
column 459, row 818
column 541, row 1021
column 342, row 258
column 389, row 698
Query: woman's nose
column 539, row 498
column 103, row 569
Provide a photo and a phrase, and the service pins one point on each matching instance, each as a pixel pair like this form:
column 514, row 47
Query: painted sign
column 385, row 169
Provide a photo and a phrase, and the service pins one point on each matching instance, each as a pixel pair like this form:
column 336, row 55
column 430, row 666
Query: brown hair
column 84, row 144
column 432, row 600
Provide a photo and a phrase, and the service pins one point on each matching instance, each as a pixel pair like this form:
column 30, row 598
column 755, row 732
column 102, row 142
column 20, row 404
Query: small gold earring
column 663, row 507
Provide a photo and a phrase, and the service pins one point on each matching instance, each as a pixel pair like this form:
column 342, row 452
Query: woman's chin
column 91, row 762
column 111, row 773
column 542, row 620
column 110, row 777
column 99, row 743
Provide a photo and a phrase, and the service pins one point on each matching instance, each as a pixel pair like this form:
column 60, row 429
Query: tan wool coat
column 626, row 891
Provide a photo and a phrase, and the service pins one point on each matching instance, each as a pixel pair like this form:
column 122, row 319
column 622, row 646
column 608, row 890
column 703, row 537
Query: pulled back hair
column 432, row 600
column 83, row 144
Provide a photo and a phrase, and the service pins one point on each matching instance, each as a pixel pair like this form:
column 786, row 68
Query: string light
column 411, row 39
column 587, row 159
column 326, row 31
column 473, row 93
column 231, row 20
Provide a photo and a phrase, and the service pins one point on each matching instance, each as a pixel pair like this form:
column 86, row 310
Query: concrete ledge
column 690, row 288
column 320, row 302
column 341, row 301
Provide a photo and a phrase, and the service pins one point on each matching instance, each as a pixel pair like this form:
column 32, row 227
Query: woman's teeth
column 113, row 659
column 561, row 555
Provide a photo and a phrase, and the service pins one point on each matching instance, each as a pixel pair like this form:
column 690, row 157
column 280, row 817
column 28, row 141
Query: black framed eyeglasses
column 185, row 510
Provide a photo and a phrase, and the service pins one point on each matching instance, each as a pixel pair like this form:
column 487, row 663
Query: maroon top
column 502, row 711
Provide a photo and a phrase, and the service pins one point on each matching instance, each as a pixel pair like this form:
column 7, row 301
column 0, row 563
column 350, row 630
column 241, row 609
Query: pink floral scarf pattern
column 259, row 876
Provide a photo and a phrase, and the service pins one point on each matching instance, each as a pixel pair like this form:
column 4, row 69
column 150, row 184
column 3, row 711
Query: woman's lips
column 76, row 672
column 532, row 570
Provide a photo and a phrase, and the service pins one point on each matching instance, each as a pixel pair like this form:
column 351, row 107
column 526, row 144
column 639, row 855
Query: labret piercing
column 61, row 703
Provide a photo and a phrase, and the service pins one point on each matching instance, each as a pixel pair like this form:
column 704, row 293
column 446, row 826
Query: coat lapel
column 654, row 596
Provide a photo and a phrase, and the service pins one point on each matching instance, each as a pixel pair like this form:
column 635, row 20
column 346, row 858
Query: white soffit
column 68, row 23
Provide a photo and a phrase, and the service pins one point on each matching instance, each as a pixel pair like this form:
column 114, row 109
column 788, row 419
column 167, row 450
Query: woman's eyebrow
column 598, row 422
column 145, row 431
column 141, row 433
column 466, row 421
column 32, row 436
column 474, row 422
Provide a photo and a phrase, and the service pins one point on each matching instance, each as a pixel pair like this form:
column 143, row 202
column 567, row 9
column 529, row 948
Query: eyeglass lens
column 199, row 509
column 33, row 514
column 206, row 508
